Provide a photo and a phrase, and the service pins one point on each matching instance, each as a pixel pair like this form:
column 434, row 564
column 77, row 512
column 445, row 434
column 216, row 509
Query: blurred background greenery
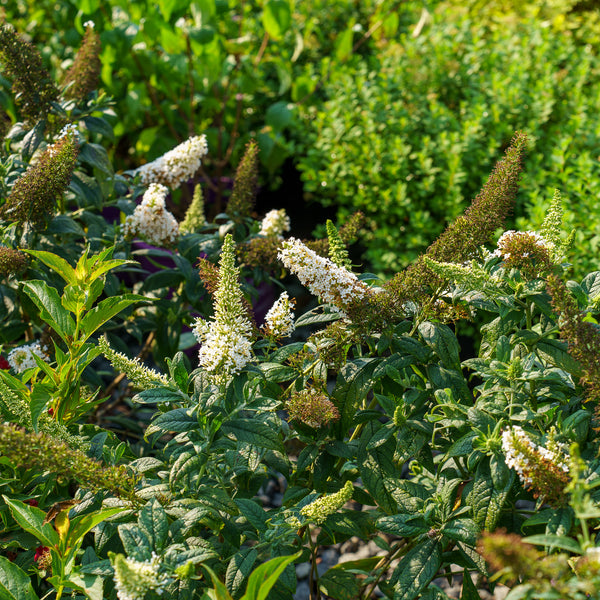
column 397, row 109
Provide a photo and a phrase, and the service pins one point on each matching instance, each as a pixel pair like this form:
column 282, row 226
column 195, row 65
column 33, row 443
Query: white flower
column 176, row 166
column 334, row 285
column 275, row 223
column 151, row 220
column 226, row 347
column 539, row 241
column 89, row 24
column 21, row 358
column 133, row 578
column 280, row 318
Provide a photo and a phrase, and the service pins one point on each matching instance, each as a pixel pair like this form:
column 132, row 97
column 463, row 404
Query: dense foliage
column 160, row 370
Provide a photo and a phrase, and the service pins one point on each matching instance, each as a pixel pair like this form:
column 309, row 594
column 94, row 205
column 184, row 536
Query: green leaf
column 554, row 541
column 31, row 519
column 254, row 514
column 96, row 156
column 340, row 584
column 56, row 263
column 88, row 7
column 135, row 542
column 376, row 466
column 469, row 591
column 158, row 395
column 591, row 285
column 51, row 310
column 254, row 432
column 15, row 584
column 33, row 139
column 264, row 577
column 443, row 342
column 556, row 353
column 220, row 591
column 178, row 420
column 238, row 570
column 462, row 530
column 416, row 569
column 486, row 498
column 100, row 126
column 153, row 522
column 277, row 18
column 404, row 525
column 278, row 116
column 343, row 43
column 317, row 316
column 106, row 310
column 81, row 525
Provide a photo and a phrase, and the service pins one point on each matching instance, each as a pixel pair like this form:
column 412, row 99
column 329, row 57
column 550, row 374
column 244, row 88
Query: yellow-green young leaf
column 56, row 263
column 264, row 577
column 343, row 44
column 50, row 307
column 15, row 584
column 554, row 541
column 277, row 18
column 81, row 525
column 220, row 591
column 106, row 310
column 31, row 519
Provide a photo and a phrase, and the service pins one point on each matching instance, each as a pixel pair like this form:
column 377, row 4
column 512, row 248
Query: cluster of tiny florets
column 84, row 75
column 543, row 470
column 22, row 358
column 279, row 321
column 12, row 261
column 176, row 166
column 312, row 407
column 33, row 196
column 226, row 345
column 275, row 223
column 527, row 251
column 133, row 578
column 139, row 375
column 317, row 512
column 333, row 284
column 151, row 219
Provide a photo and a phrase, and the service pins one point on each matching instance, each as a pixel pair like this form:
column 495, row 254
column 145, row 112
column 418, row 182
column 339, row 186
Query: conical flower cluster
column 317, row 512
column 151, row 220
column 226, row 345
column 275, row 223
column 543, row 470
column 176, row 166
column 133, row 578
column 279, row 321
column 334, row 285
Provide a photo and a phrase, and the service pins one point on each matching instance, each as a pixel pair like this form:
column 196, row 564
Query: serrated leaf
column 51, row 310
column 462, row 530
column 376, row 467
column 238, row 570
column 56, row 263
column 316, row 316
column 416, row 569
column 31, row 519
column 15, row 584
column 340, row 585
column 159, row 395
column 253, row 432
column 254, row 514
column 556, row 353
column 404, row 525
column 485, row 498
column 135, row 542
column 178, row 420
column 153, row 522
column 186, row 464
column 33, row 138
column 443, row 342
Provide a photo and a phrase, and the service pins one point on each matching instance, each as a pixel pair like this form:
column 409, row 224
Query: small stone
column 303, row 570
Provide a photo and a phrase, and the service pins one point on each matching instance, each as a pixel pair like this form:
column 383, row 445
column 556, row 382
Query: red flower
column 32, row 502
column 39, row 552
column 4, row 363
column 51, row 411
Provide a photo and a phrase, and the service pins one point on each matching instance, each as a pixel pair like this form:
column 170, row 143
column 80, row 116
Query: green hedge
column 409, row 137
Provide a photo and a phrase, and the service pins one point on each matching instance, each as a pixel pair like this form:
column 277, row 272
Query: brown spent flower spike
column 12, row 262
column 32, row 85
column 33, row 196
column 312, row 407
column 242, row 198
column 462, row 238
column 84, row 75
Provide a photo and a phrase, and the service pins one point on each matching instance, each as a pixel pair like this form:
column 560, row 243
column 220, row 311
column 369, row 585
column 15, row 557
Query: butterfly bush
column 176, row 166
column 226, row 345
column 543, row 470
column 275, row 223
column 134, row 578
column 22, row 358
column 334, row 285
column 151, row 219
column 279, row 321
